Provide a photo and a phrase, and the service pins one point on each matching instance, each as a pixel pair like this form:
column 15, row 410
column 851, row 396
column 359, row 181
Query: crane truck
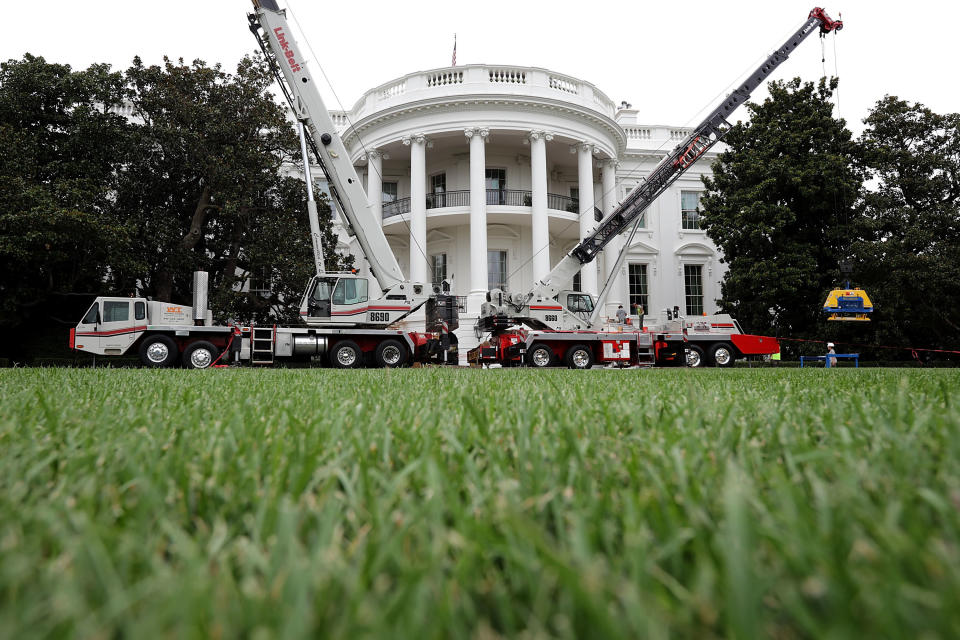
column 550, row 325
column 347, row 322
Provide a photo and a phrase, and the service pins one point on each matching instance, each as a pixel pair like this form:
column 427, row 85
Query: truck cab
column 113, row 324
column 343, row 298
column 110, row 326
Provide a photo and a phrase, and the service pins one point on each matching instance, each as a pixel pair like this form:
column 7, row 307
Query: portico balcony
column 504, row 197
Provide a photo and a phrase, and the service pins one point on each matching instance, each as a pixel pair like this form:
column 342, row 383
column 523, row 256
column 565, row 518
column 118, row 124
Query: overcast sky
column 671, row 60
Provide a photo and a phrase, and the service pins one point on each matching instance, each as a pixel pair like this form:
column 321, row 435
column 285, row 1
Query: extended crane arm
column 704, row 135
column 269, row 25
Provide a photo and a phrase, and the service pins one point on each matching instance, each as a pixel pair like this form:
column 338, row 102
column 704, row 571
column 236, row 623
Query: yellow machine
column 849, row 305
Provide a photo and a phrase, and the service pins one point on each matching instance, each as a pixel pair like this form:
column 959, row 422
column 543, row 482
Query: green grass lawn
column 468, row 503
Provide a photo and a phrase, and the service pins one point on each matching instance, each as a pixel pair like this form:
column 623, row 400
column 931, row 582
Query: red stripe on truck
column 115, row 332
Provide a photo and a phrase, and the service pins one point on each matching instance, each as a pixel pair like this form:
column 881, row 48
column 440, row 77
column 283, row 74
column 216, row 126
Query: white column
column 584, row 151
column 540, row 223
column 608, row 178
column 478, row 218
column 418, row 206
column 375, row 183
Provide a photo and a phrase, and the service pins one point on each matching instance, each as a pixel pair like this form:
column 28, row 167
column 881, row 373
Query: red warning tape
column 913, row 350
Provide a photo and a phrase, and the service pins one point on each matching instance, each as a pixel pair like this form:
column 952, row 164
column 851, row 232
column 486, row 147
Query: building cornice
column 465, row 103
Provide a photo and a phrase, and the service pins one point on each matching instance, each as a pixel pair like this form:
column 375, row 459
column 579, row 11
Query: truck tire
column 158, row 351
column 695, row 356
column 722, row 355
column 540, row 356
column 390, row 354
column 346, row 354
column 579, row 356
column 199, row 355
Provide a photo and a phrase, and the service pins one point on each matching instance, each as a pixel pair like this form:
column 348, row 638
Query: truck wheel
column 722, row 355
column 346, row 355
column 199, row 355
column 158, row 351
column 389, row 354
column 579, row 356
column 540, row 356
column 695, row 356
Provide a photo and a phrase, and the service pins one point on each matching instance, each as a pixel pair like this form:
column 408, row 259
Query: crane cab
column 344, row 299
column 848, row 305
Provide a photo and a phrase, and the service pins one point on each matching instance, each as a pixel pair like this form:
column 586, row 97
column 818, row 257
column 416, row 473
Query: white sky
column 671, row 60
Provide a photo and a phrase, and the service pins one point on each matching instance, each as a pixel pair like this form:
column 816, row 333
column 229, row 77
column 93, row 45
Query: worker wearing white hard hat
column 830, row 351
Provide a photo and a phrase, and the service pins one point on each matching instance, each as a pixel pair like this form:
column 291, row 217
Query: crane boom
column 675, row 164
column 269, row 25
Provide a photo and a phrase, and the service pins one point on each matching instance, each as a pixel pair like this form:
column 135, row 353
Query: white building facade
column 485, row 176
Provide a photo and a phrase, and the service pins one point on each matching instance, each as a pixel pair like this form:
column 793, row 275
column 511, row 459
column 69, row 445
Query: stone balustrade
column 479, row 79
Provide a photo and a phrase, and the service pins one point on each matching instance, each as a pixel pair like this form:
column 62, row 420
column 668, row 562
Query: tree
column 209, row 186
column 910, row 256
column 117, row 183
column 780, row 207
column 62, row 147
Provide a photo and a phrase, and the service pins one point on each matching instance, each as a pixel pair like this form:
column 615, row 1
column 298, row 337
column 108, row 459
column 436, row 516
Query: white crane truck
column 347, row 322
column 548, row 325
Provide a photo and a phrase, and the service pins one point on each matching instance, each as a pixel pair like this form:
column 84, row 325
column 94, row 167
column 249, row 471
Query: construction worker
column 830, row 352
column 621, row 315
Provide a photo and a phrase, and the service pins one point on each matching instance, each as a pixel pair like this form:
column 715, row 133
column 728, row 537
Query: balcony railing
column 448, row 199
column 506, row 197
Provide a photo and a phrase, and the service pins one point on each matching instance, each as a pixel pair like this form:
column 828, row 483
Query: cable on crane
column 823, row 56
column 836, row 72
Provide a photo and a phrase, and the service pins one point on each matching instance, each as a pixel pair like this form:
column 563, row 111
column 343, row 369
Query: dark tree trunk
column 163, row 290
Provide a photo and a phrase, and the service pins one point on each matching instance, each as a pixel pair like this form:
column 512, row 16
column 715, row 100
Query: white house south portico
column 485, row 176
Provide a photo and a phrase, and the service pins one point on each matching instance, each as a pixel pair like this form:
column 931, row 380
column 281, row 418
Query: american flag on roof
column 453, row 62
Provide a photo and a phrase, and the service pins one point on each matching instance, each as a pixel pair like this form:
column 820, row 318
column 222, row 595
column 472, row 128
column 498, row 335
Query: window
column 91, row 317
column 576, row 281
column 321, row 292
column 438, row 189
column 438, row 266
column 496, row 184
column 574, row 206
column 350, row 291
column 693, row 287
column 689, row 212
column 497, row 270
column 116, row 311
column 637, row 280
column 579, row 302
column 139, row 310
column 260, row 283
column 389, row 193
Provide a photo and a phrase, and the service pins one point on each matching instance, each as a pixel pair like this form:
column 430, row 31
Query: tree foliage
column 117, row 183
column 780, row 207
column 210, row 184
column 909, row 256
column 62, row 148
